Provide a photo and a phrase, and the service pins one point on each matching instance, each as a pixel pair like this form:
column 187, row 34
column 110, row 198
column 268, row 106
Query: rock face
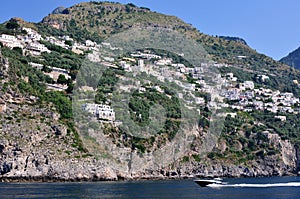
column 58, row 10
column 4, row 66
column 24, row 162
column 288, row 151
column 44, row 156
column 38, row 147
column 298, row 160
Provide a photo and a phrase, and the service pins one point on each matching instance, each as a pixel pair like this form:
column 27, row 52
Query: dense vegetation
column 25, row 80
column 104, row 18
column 19, row 69
column 288, row 129
column 284, row 83
column 61, row 58
column 245, row 137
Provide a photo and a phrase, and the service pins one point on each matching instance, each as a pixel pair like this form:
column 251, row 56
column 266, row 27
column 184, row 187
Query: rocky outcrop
column 59, row 130
column 49, row 168
column 298, row 160
column 4, row 66
column 58, row 10
column 38, row 147
column 56, row 23
column 32, row 150
column 35, row 169
column 19, row 162
column 286, row 162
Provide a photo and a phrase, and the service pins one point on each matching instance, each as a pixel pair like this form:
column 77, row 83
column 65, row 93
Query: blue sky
column 269, row 26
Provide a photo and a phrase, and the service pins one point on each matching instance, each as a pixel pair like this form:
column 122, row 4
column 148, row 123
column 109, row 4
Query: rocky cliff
column 42, row 154
column 298, row 160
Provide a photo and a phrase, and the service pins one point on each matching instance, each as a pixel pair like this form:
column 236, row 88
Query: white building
column 125, row 65
column 282, row 118
column 32, row 34
column 146, row 55
column 264, row 77
column 241, row 57
column 247, row 85
column 200, row 100
column 56, row 87
column 90, row 43
column 10, row 41
column 141, row 63
column 37, row 48
column 94, row 57
column 230, row 77
column 36, row 65
column 54, row 74
column 163, row 62
column 8, row 38
column 100, row 111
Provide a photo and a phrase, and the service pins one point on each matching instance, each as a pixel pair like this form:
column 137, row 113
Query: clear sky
column 269, row 26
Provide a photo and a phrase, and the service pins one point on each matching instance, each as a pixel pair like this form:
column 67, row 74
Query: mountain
column 98, row 20
column 50, row 130
column 292, row 59
column 101, row 19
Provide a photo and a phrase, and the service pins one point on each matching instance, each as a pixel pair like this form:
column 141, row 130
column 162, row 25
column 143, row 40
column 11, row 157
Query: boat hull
column 205, row 183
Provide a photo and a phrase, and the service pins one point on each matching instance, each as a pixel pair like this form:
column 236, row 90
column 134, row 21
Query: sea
column 244, row 188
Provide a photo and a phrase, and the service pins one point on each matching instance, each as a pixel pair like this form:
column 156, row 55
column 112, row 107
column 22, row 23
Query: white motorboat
column 207, row 182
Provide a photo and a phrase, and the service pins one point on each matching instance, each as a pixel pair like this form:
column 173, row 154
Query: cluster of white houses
column 248, row 98
column 243, row 97
column 28, row 42
column 100, row 111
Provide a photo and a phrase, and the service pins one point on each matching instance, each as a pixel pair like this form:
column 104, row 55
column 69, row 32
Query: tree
column 69, row 42
column 18, row 49
column 62, row 79
column 62, row 103
column 46, row 69
column 12, row 24
column 73, row 23
column 70, row 88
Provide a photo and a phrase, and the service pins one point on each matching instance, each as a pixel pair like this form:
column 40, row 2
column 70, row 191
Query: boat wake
column 288, row 184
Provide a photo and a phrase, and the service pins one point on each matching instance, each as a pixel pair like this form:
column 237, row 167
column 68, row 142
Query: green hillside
column 98, row 20
column 261, row 127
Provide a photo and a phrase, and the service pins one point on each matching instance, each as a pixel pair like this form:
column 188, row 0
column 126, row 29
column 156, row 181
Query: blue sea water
column 258, row 188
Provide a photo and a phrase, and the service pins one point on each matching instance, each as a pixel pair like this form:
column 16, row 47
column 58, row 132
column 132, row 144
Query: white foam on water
column 288, row 184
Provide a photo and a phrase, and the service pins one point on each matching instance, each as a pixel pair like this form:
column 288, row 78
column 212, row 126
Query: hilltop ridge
column 98, row 20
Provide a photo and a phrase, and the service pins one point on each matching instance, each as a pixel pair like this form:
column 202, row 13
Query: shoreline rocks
column 84, row 171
